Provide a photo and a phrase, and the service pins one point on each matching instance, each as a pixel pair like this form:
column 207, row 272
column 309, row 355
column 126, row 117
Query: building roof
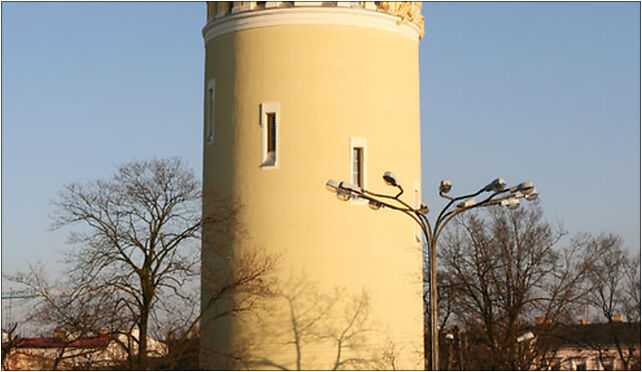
column 55, row 342
column 599, row 334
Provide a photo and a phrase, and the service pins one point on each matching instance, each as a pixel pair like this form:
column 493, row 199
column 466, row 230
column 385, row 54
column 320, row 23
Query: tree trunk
column 142, row 340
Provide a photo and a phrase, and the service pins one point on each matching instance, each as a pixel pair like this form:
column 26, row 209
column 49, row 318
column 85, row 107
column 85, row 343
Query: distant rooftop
column 55, row 342
column 602, row 334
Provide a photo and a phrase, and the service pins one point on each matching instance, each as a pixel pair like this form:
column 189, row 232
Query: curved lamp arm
column 441, row 214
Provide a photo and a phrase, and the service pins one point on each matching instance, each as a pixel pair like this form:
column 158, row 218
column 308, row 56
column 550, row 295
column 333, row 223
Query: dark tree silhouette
column 136, row 263
column 500, row 271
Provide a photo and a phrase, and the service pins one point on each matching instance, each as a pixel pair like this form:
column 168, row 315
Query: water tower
column 297, row 93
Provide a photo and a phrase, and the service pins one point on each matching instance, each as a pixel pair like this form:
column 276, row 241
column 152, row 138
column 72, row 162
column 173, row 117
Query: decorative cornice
column 357, row 17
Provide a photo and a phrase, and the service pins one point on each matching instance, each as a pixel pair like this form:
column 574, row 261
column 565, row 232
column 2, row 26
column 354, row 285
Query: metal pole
column 434, row 323
column 525, row 188
column 431, row 242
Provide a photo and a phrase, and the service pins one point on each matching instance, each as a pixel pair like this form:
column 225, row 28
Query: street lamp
column 524, row 349
column 525, row 337
column 500, row 195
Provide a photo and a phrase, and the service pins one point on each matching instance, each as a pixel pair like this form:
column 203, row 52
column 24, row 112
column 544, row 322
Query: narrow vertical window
column 269, row 112
column 271, row 135
column 358, row 156
column 357, row 166
column 209, row 112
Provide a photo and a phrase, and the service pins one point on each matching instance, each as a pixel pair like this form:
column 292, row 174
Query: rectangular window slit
column 270, row 122
column 271, row 133
column 210, row 114
column 357, row 166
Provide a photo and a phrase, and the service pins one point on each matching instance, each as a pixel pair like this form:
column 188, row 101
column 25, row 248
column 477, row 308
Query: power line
column 25, row 293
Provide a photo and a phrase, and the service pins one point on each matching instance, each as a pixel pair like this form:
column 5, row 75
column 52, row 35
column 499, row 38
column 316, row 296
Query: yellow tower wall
column 333, row 82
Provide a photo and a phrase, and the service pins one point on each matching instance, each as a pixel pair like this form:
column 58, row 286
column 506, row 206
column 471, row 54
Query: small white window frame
column 210, row 111
column 359, row 142
column 266, row 108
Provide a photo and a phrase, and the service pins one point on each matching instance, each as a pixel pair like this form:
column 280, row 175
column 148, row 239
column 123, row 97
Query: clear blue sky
column 541, row 91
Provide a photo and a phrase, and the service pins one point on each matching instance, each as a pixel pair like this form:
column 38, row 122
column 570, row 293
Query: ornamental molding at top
column 403, row 17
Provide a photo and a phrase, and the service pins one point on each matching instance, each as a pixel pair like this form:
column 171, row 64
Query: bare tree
column 632, row 289
column 134, row 230
column 82, row 310
column 563, row 293
column 614, row 280
column 8, row 346
column 136, row 264
column 75, row 311
column 501, row 271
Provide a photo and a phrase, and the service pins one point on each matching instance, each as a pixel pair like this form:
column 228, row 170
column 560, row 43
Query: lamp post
column 524, row 346
column 499, row 195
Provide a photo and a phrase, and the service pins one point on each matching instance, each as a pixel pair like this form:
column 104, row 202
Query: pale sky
column 548, row 92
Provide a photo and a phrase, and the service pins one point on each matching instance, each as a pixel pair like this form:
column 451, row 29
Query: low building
column 600, row 347
column 65, row 352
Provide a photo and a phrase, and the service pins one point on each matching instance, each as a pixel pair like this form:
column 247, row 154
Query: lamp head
column 343, row 195
column 390, row 179
column 332, row 185
column 526, row 337
column 349, row 187
column 468, row 203
column 374, row 205
column 424, row 208
column 532, row 195
column 524, row 187
column 510, row 203
column 450, row 337
column 497, row 185
column 445, row 186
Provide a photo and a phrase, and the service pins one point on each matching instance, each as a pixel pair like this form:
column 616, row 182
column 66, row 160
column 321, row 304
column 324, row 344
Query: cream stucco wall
column 332, row 83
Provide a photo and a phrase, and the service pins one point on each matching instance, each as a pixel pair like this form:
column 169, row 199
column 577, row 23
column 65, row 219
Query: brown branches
column 502, row 270
column 132, row 230
column 495, row 268
column 136, row 259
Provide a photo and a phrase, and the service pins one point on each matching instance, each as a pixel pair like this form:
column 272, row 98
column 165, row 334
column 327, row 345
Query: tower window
column 358, row 161
column 270, row 133
column 357, row 166
column 209, row 112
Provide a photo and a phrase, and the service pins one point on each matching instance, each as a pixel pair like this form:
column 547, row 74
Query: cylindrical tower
column 297, row 93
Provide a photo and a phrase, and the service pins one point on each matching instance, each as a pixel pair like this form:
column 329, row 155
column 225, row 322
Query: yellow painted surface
column 332, row 83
